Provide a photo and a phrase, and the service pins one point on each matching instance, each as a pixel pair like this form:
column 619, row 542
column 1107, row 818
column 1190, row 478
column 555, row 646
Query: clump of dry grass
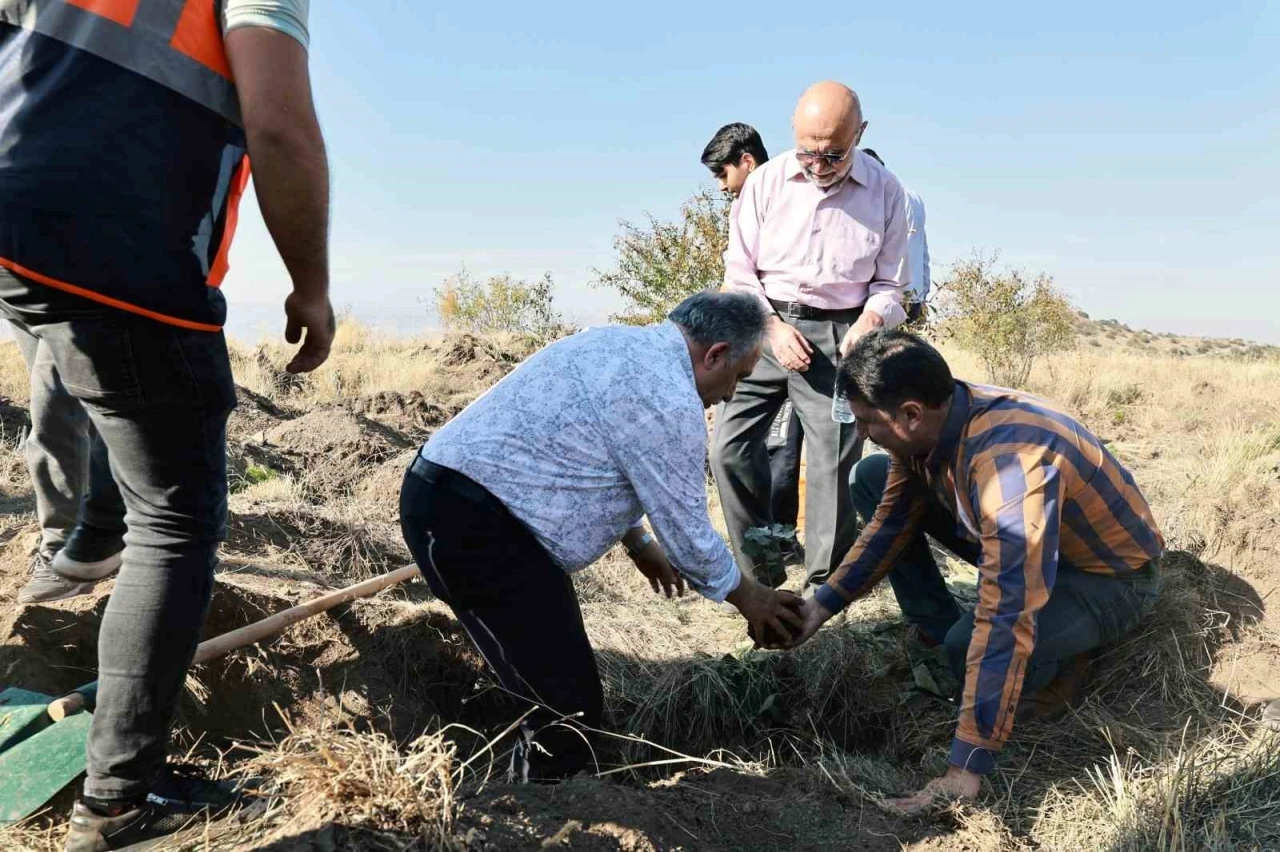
column 1221, row 793
column 701, row 702
column 361, row 781
column 15, row 384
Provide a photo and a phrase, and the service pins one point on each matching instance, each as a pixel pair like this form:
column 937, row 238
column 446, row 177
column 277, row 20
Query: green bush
column 663, row 263
column 1005, row 318
column 501, row 304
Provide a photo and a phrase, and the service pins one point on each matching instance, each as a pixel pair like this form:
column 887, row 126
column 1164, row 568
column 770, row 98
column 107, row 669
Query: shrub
column 661, row 265
column 501, row 304
column 1005, row 318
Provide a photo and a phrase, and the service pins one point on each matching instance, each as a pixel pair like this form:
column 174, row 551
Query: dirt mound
column 409, row 413
column 381, row 664
column 345, row 545
column 333, row 447
column 481, row 362
column 467, row 348
column 254, row 414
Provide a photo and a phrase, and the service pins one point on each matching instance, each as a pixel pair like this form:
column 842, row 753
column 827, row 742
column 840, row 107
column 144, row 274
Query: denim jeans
column 1085, row 610
column 159, row 396
column 58, row 448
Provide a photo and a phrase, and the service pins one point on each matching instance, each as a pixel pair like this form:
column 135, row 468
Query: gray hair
column 711, row 317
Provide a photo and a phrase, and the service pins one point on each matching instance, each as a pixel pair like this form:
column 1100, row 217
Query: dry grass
column 363, row 781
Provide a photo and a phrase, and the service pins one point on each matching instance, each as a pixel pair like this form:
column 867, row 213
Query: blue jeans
column 1084, row 611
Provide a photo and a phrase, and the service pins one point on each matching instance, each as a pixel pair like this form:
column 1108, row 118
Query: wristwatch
column 640, row 545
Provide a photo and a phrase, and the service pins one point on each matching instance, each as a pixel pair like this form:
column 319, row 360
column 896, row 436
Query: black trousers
column 519, row 608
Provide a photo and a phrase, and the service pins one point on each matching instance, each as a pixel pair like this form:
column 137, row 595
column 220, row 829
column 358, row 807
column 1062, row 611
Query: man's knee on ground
column 866, row 484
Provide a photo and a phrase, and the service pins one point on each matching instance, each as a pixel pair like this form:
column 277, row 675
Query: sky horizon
column 1123, row 152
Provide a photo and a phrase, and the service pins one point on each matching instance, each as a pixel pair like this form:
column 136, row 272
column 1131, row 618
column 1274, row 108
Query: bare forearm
column 291, row 177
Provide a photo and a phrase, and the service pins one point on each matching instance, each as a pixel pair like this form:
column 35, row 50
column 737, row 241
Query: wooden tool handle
column 86, row 695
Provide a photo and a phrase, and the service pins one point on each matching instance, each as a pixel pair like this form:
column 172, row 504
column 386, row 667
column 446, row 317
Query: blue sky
column 1130, row 150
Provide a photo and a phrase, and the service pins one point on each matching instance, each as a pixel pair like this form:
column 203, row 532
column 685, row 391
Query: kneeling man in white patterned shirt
column 553, row 466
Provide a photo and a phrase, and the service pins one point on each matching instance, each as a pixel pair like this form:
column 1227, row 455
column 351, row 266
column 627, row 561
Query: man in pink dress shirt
column 819, row 236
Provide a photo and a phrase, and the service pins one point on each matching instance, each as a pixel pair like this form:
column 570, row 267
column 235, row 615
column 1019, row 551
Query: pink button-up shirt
column 842, row 247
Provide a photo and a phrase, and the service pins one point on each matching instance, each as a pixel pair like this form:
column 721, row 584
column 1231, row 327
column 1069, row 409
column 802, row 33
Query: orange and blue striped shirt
column 1036, row 490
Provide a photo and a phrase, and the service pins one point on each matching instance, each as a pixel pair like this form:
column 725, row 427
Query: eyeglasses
column 831, row 158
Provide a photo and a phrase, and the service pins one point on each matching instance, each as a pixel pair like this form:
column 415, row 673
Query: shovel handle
column 86, row 696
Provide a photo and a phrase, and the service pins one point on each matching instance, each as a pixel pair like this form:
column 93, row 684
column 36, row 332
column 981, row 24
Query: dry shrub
column 1004, row 317
column 663, row 263
column 502, row 305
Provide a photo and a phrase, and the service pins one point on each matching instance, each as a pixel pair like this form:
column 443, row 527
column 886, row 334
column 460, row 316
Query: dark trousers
column 1084, row 611
column 740, row 460
column 785, row 443
column 101, row 528
column 58, row 448
column 517, row 605
column 159, row 397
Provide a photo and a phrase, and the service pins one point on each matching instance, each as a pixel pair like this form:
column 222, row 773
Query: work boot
column 73, row 569
column 177, row 802
column 45, row 585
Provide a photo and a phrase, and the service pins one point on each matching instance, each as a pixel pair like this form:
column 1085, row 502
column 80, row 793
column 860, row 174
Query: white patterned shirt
column 590, row 435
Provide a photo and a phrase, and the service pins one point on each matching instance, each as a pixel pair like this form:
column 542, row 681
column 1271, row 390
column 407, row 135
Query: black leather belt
column 795, row 310
column 447, row 477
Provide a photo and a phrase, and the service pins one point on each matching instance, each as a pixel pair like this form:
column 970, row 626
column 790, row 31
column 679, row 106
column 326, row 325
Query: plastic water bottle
column 841, row 412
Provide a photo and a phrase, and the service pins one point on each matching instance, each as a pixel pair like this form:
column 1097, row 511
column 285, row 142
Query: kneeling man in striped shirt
column 1066, row 548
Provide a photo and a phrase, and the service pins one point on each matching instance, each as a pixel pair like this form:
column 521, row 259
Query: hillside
column 371, row 722
column 1112, row 334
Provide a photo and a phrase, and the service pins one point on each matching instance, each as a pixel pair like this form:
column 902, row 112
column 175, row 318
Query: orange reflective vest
column 122, row 155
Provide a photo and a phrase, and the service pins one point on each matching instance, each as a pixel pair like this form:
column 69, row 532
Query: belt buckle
column 795, row 310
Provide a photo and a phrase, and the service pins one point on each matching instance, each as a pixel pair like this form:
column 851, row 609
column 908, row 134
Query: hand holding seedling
column 771, row 638
column 813, row 615
column 771, row 615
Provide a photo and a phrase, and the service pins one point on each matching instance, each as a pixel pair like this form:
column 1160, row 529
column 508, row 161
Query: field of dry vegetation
column 373, row 724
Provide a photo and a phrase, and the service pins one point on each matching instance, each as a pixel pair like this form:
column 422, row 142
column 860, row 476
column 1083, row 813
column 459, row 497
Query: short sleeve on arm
column 286, row 16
